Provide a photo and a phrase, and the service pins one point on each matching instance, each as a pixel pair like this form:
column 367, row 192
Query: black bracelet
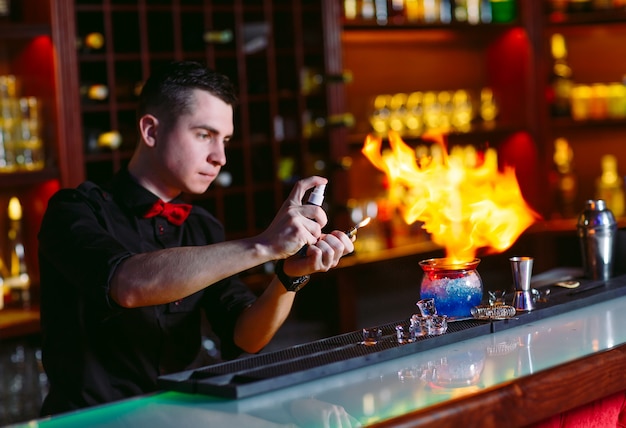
column 290, row 283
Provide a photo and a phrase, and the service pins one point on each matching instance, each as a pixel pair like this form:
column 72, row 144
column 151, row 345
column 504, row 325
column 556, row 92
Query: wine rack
column 263, row 46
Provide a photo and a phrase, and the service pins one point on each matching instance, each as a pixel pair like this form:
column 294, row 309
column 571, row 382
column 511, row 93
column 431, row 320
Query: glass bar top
column 383, row 390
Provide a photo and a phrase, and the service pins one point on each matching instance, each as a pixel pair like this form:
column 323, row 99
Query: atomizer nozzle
column 317, row 195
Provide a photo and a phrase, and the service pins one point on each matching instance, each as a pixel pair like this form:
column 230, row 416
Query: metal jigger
column 522, row 268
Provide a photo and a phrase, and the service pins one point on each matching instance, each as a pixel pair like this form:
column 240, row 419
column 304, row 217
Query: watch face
column 299, row 282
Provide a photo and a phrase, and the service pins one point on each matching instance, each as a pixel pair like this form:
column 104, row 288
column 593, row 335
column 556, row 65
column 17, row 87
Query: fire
column 464, row 206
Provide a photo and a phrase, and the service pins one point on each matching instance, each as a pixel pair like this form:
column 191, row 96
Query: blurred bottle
column 599, row 101
column 445, row 11
column 396, row 11
column 580, row 102
column 90, row 43
column 431, row 11
column 473, row 11
column 29, row 152
column 397, row 114
column 110, row 140
column 414, row 121
column 610, row 186
column 382, row 14
column 381, row 114
column 8, row 115
column 414, row 10
column 565, row 181
column 503, row 11
column 19, row 281
column 617, row 100
column 94, row 92
column 488, row 105
column 4, row 273
column 218, row 37
column 315, row 126
column 560, row 79
column 432, row 110
column 5, row 10
column 312, row 80
column 350, row 10
column 368, row 10
column 462, row 113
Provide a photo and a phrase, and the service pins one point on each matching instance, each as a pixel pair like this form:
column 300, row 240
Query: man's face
column 192, row 150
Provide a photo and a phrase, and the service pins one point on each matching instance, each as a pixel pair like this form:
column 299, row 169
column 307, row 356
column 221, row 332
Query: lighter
column 352, row 231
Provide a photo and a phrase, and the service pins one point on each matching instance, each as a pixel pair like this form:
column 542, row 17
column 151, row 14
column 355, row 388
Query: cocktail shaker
column 597, row 230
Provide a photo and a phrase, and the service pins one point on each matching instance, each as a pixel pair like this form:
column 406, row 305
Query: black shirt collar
column 127, row 190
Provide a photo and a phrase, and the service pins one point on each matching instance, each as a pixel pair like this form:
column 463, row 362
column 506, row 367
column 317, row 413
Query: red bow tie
column 174, row 213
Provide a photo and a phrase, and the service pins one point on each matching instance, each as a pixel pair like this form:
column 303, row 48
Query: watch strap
column 290, row 283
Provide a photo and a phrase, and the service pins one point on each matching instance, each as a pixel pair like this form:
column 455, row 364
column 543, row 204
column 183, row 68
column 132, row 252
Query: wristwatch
column 290, row 283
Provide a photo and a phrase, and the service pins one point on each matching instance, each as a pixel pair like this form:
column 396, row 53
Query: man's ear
column 148, row 125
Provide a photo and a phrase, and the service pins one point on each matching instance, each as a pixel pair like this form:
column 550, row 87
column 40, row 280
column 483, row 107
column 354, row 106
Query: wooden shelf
column 19, row 322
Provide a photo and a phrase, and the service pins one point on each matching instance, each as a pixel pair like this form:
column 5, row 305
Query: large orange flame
column 465, row 207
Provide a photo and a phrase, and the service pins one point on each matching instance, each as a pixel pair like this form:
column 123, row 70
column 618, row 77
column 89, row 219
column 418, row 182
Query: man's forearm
column 167, row 275
column 259, row 323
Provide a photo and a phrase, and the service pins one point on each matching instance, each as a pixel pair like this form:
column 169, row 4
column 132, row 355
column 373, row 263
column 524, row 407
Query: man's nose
column 218, row 155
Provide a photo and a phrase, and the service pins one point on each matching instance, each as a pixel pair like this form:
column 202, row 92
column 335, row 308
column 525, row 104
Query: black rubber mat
column 268, row 371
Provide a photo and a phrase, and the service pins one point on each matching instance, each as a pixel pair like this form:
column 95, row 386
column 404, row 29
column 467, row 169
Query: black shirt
column 95, row 351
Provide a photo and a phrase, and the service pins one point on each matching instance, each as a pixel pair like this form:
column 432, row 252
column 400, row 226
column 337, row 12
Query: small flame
column 364, row 222
column 465, row 206
column 352, row 232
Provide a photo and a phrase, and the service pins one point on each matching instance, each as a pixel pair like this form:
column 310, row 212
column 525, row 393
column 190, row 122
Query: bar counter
column 512, row 377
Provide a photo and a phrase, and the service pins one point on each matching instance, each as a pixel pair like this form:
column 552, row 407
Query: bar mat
column 273, row 370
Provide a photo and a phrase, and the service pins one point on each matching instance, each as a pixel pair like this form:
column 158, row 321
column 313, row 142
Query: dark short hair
column 167, row 93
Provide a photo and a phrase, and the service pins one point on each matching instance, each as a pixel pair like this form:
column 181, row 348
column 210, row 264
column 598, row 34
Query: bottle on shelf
column 314, row 126
column 462, row 111
column 610, row 186
column 8, row 115
column 312, row 80
column 503, row 11
column 29, row 151
column 414, row 115
column 218, row 37
column 18, row 281
column 396, row 11
column 445, row 11
column 5, row 9
column 90, row 43
column 382, row 13
column 94, row 92
column 379, row 119
column 111, row 140
column 460, row 10
column 488, row 106
column 350, row 10
column 560, row 79
column 368, row 9
column 565, row 180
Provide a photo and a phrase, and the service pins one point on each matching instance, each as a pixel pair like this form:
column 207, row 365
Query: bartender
column 128, row 270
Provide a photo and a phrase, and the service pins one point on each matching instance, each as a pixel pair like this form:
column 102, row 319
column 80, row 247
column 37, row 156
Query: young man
column 123, row 287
